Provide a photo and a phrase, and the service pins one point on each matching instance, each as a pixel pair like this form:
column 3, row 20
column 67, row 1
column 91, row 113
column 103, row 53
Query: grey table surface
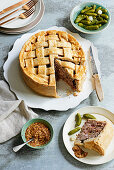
column 55, row 155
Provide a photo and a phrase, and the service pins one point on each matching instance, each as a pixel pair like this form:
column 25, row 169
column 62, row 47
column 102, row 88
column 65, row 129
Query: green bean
column 81, row 25
column 102, row 22
column 86, row 9
column 89, row 22
column 99, row 25
column 99, row 8
column 87, row 17
column 74, row 131
column 94, row 7
column 91, row 14
column 85, row 22
column 92, row 27
column 93, row 22
column 79, row 18
column 104, row 10
column 104, row 16
column 99, row 18
column 91, row 10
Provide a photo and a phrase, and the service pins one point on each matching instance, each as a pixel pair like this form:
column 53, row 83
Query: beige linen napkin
column 13, row 113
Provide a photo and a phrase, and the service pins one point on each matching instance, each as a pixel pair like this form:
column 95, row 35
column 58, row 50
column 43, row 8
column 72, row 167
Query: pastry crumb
column 75, row 94
column 68, row 92
column 78, row 152
column 72, row 139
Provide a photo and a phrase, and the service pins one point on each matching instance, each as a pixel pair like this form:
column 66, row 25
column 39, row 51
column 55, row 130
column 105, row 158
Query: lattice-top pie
column 48, row 56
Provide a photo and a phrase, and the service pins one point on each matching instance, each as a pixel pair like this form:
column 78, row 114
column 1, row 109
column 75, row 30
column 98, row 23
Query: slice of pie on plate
column 95, row 135
column 51, row 55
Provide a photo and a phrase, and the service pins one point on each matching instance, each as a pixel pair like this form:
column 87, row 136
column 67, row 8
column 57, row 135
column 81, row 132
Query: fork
column 22, row 16
column 27, row 6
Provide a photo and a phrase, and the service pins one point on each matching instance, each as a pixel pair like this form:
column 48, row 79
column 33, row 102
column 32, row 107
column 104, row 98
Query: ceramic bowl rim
column 45, row 122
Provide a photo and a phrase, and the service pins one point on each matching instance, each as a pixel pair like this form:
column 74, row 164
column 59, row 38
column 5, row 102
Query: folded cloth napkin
column 13, row 113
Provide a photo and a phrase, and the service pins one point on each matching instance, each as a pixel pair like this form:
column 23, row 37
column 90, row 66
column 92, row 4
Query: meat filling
column 61, row 73
column 91, row 129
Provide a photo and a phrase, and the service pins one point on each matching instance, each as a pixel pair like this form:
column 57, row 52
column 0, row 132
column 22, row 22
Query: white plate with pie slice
column 13, row 76
column 93, row 157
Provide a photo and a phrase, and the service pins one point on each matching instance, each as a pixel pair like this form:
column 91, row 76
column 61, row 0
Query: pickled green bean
column 92, row 27
column 99, row 18
column 79, row 18
column 86, row 9
column 99, row 8
column 74, row 131
column 102, row 22
column 104, row 10
column 104, row 16
column 91, row 14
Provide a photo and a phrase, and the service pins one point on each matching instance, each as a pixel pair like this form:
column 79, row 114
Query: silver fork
column 22, row 16
column 27, row 6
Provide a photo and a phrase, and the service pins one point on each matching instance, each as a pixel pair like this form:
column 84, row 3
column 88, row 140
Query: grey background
column 55, row 155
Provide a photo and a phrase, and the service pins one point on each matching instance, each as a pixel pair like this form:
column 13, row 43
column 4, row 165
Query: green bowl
column 26, row 125
column 75, row 12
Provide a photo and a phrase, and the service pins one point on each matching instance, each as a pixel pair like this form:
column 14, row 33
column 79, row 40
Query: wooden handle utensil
column 13, row 6
column 98, row 87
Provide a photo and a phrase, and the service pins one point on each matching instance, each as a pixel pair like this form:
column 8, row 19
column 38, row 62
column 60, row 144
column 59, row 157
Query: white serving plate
column 93, row 157
column 28, row 26
column 13, row 76
column 17, row 23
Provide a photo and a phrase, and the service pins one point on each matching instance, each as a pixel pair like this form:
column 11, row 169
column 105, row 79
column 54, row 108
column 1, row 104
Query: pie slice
column 95, row 135
column 51, row 55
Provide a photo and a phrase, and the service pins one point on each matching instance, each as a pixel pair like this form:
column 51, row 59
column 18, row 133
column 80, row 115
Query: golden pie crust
column 39, row 54
column 99, row 143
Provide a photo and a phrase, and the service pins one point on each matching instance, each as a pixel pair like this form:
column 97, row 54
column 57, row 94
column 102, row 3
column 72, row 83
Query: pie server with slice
column 96, row 78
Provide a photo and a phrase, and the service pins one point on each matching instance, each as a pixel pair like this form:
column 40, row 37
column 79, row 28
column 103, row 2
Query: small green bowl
column 75, row 12
column 26, row 125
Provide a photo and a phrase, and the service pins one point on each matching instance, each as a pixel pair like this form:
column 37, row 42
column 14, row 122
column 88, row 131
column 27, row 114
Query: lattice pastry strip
column 63, row 44
column 67, row 53
column 42, row 79
column 52, row 37
column 29, row 54
column 67, row 64
column 42, row 69
column 29, row 66
column 52, row 80
column 53, row 50
column 52, row 43
column 41, row 61
column 79, row 71
column 78, row 61
column 70, row 71
column 40, row 52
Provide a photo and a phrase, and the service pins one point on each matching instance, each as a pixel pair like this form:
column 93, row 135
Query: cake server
column 96, row 78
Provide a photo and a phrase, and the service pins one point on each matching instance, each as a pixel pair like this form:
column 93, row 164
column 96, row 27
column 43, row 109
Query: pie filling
column 61, row 73
column 90, row 129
